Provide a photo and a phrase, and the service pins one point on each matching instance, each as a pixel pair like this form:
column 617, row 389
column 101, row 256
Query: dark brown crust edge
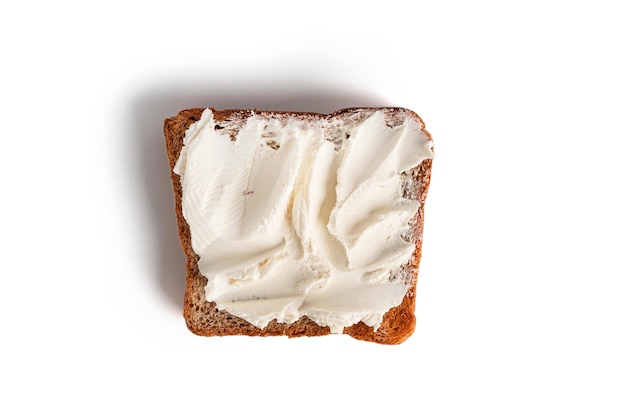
column 203, row 318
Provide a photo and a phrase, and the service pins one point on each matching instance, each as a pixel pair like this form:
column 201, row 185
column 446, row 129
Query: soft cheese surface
column 288, row 221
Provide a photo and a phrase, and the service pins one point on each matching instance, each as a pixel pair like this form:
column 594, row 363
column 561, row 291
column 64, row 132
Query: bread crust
column 203, row 317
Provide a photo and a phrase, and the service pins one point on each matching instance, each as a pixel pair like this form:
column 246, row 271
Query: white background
column 521, row 298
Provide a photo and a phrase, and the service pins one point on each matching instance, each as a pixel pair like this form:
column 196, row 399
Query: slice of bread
column 204, row 318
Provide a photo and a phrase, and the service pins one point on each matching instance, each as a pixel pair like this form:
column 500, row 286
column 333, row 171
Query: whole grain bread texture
column 203, row 317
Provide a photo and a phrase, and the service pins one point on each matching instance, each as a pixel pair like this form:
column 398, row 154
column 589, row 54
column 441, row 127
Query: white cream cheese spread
column 288, row 221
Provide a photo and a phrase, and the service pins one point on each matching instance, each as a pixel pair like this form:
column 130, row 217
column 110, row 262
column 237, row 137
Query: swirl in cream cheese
column 287, row 223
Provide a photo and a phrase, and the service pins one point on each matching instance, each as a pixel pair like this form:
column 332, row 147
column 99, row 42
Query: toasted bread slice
column 204, row 318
